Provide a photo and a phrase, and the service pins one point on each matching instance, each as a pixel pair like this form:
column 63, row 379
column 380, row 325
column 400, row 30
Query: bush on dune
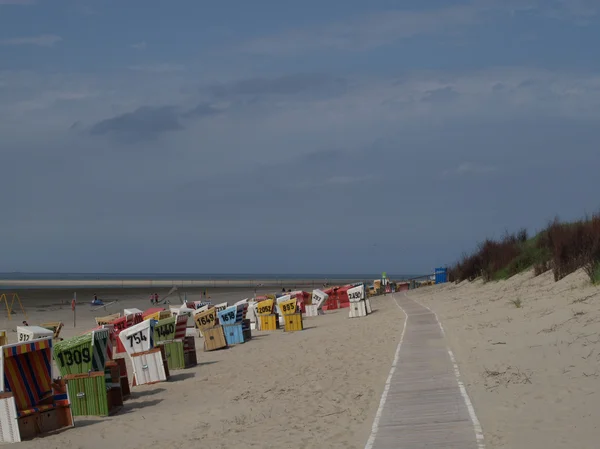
column 490, row 258
column 573, row 246
column 561, row 247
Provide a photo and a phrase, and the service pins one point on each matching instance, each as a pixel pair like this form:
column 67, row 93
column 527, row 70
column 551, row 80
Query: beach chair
column 82, row 361
column 3, row 338
column 101, row 320
column 149, row 367
column 156, row 313
column 125, row 322
column 30, row 333
column 171, row 334
column 34, row 404
column 54, row 326
column 232, row 320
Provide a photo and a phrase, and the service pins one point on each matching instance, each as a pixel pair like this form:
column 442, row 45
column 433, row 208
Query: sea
column 196, row 277
column 18, row 280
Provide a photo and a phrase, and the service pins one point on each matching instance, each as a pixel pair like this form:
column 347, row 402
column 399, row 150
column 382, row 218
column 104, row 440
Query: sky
column 290, row 137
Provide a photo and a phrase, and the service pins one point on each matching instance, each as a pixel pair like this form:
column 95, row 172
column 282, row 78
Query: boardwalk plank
column 424, row 406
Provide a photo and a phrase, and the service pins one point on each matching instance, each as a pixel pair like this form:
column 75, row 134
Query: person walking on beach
column 155, row 298
column 151, row 299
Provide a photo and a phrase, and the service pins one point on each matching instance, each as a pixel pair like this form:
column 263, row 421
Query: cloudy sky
column 290, row 137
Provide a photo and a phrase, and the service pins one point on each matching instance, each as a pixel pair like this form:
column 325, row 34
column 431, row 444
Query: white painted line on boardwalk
column 386, row 389
column 461, row 386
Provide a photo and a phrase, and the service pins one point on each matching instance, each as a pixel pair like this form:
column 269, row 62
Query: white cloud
column 366, row 32
column 470, row 168
column 44, row 40
column 386, row 27
column 139, row 45
column 48, row 99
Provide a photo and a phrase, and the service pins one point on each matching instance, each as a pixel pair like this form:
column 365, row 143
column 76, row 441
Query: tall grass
column 490, row 258
column 561, row 247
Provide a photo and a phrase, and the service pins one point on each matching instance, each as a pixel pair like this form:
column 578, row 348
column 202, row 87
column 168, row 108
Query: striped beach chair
column 122, row 323
column 180, row 327
column 91, row 383
column 26, row 381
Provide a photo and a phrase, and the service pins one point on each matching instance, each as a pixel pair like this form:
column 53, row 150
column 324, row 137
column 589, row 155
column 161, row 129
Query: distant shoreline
column 18, row 280
column 169, row 283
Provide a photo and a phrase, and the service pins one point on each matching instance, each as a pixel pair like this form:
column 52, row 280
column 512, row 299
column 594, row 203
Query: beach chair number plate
column 165, row 330
column 24, row 337
column 206, row 318
column 229, row 316
column 138, row 337
column 265, row 307
column 288, row 307
column 355, row 294
column 75, row 357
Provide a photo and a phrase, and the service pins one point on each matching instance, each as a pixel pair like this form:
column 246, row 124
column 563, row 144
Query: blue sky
column 189, row 136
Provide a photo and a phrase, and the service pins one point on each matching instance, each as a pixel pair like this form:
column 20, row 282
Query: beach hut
column 32, row 403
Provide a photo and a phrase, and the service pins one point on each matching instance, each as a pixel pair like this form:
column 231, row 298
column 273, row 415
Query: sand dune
column 315, row 388
column 529, row 351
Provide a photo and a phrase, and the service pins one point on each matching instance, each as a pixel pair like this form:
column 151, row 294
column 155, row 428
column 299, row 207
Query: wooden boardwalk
column 424, row 405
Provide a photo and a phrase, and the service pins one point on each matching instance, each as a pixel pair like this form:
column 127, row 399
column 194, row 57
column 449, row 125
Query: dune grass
column 561, row 247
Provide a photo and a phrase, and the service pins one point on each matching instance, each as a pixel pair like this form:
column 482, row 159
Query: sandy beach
column 528, row 350
column 316, row 388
